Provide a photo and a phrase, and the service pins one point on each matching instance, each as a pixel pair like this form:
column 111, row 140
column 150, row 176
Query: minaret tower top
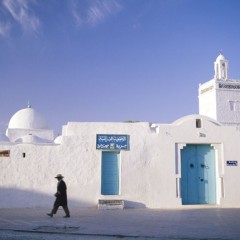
column 219, row 98
column 221, row 68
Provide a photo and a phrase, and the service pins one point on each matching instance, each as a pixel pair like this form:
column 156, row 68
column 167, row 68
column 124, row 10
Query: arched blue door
column 110, row 173
column 198, row 170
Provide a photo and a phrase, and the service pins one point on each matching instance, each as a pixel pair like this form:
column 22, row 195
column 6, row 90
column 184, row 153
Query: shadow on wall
column 20, row 198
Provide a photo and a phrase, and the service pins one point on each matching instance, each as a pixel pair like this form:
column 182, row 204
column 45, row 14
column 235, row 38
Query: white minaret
column 221, row 67
column 219, row 98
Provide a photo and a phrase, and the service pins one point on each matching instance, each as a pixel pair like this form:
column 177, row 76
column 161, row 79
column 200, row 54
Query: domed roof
column 31, row 139
column 27, row 118
column 58, row 140
column 220, row 58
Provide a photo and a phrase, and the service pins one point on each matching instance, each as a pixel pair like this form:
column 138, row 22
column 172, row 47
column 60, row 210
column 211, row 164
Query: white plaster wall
column 139, row 166
column 148, row 170
column 228, row 140
column 207, row 99
column 215, row 103
column 225, row 114
column 27, row 182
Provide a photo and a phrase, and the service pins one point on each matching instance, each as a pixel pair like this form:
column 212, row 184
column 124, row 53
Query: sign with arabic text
column 112, row 142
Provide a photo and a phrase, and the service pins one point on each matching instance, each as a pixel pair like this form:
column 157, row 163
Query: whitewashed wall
column 207, row 99
column 221, row 104
column 149, row 170
column 228, row 103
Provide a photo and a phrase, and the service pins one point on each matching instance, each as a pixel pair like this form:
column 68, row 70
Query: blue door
column 110, row 173
column 198, row 181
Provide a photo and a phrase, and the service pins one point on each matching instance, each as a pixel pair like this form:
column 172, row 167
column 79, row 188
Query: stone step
column 105, row 204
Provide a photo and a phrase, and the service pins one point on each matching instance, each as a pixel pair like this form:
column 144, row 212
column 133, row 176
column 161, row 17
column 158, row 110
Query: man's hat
column 59, row 176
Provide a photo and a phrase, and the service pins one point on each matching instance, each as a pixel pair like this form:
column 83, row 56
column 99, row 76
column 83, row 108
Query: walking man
column 61, row 197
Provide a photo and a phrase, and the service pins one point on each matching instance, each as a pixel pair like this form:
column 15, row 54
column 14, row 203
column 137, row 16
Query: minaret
column 221, row 68
column 219, row 98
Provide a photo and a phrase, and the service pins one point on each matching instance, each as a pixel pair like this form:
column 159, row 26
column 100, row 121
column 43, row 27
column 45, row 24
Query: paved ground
column 186, row 224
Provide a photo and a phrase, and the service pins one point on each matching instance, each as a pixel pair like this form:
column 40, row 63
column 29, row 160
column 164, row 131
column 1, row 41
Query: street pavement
column 183, row 224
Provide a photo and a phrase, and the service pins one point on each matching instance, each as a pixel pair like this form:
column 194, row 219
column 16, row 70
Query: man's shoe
column 67, row 216
column 50, row 214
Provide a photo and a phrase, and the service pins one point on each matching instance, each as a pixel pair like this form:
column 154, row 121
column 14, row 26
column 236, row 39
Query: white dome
column 27, row 118
column 31, row 139
column 58, row 140
column 220, row 58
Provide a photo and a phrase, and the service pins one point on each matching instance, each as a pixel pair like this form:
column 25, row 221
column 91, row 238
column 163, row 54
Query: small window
column 4, row 153
column 198, row 123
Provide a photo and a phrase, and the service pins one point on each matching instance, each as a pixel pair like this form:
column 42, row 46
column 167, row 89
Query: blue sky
column 112, row 60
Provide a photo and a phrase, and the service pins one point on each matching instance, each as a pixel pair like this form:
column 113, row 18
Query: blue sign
column 232, row 163
column 112, row 142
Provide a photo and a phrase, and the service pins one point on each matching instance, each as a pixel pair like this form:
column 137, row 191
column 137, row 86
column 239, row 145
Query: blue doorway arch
column 198, row 174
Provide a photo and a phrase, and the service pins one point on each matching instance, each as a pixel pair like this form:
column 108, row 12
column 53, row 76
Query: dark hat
column 59, row 176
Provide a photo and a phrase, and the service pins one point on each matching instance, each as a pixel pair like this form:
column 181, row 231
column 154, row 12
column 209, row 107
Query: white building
column 219, row 98
column 194, row 160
